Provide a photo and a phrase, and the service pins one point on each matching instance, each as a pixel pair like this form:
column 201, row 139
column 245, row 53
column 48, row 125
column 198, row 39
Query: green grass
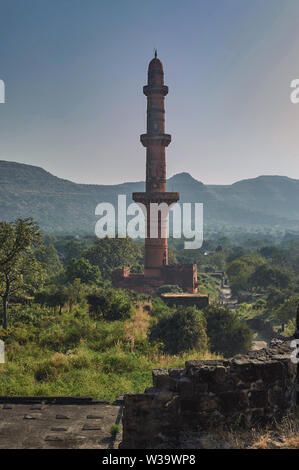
column 209, row 285
column 74, row 355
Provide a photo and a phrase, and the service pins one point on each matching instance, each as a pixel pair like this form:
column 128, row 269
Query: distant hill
column 61, row 206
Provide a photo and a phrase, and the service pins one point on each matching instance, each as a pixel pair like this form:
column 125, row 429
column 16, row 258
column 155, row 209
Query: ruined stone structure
column 201, row 301
column 157, row 271
column 246, row 390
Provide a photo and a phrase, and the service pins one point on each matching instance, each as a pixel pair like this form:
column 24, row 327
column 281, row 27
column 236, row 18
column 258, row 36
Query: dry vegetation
column 280, row 435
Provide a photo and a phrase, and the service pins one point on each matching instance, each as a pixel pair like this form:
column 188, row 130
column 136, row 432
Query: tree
column 265, row 276
column 19, row 269
column 286, row 311
column 268, row 251
column 49, row 259
column 240, row 270
column 227, row 334
column 76, row 292
column 55, row 297
column 111, row 253
column 74, row 249
column 181, row 330
column 275, row 298
column 83, row 270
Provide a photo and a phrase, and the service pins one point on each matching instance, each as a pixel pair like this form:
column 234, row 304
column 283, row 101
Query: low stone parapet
column 248, row 390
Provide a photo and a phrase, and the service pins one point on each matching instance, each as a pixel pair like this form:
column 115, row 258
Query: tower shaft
column 155, row 141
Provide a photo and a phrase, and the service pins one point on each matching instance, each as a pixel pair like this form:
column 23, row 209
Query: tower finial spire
column 156, row 53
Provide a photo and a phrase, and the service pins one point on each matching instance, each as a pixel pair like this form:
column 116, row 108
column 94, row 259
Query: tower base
column 183, row 275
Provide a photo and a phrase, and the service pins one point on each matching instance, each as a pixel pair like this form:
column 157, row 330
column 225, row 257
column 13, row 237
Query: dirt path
column 225, row 297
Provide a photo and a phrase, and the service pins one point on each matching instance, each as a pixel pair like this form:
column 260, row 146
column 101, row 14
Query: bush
column 115, row 429
column 159, row 308
column 181, row 330
column 53, row 337
column 227, row 334
column 169, row 289
column 28, row 314
column 110, row 304
column 45, row 372
column 21, row 335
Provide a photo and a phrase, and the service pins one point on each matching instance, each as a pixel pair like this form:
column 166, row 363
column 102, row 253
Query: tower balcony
column 163, row 140
column 153, row 197
column 158, row 90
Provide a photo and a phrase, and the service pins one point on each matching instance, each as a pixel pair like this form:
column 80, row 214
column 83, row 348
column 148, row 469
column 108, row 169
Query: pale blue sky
column 74, row 71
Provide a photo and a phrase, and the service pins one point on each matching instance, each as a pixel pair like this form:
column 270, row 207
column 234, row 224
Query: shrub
column 22, row 335
column 110, row 304
column 53, row 337
column 114, row 430
column 228, row 335
column 45, row 372
column 159, row 308
column 79, row 360
column 169, row 289
column 59, row 360
column 181, row 330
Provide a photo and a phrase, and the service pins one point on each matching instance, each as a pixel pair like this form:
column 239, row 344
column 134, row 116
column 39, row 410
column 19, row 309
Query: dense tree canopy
column 48, row 257
column 269, row 276
column 111, row 253
column 20, row 272
column 83, row 270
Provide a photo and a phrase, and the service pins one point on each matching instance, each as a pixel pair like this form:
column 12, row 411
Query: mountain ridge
column 60, row 205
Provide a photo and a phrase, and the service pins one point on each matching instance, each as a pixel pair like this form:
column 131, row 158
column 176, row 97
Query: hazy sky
column 74, row 71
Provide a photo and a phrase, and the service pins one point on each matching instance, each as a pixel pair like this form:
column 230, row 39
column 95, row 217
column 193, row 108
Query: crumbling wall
column 201, row 301
column 245, row 390
column 184, row 275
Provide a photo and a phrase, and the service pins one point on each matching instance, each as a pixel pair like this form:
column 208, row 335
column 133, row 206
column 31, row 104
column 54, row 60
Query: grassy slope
column 76, row 356
column 209, row 285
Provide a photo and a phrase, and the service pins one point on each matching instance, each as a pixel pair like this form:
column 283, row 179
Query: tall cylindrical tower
column 155, row 141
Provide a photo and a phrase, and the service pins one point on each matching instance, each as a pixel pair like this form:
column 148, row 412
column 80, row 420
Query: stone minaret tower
column 156, row 269
column 155, row 140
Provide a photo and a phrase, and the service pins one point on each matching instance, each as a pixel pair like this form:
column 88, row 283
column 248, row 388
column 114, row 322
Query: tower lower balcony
column 163, row 140
column 149, row 197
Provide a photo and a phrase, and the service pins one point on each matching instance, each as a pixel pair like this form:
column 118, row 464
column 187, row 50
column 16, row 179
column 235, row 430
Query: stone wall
column 245, row 390
column 183, row 275
column 201, row 301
